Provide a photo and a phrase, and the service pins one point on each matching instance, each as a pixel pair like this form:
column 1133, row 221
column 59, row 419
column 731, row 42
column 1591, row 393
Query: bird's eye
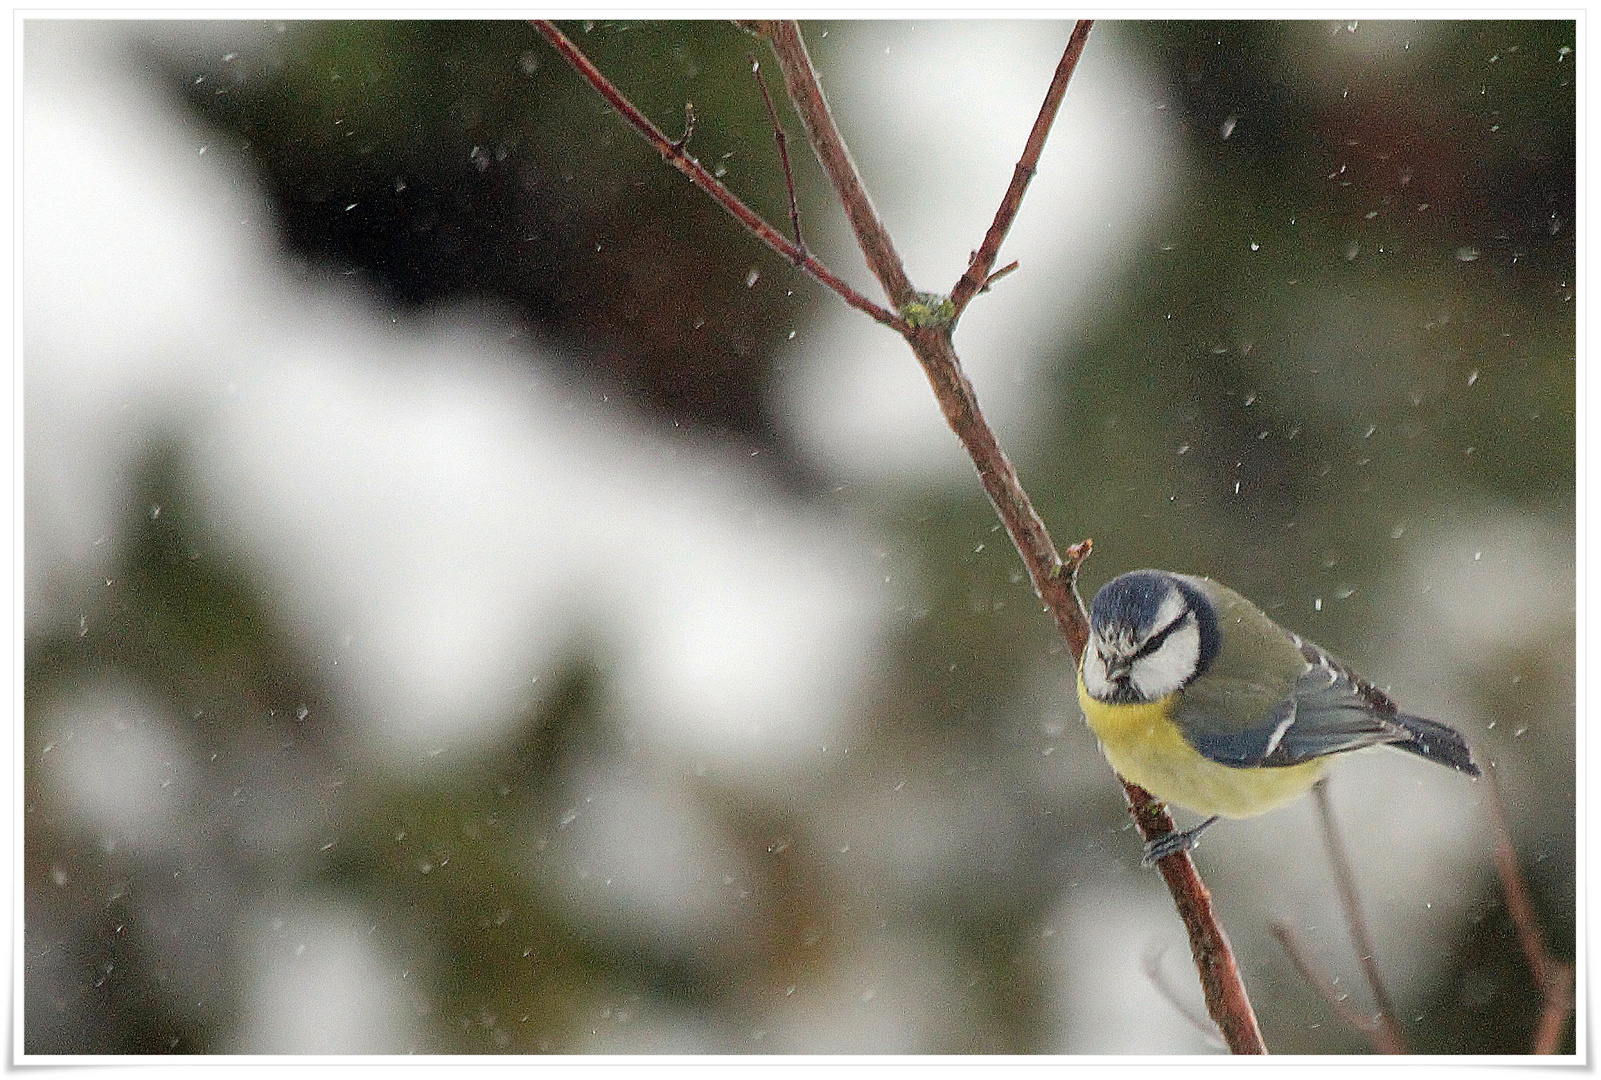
column 1154, row 642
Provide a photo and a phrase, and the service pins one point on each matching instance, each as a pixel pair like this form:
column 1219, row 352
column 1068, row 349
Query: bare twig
column 977, row 276
column 1151, row 960
column 800, row 79
column 997, row 275
column 1226, row 1000
column 701, row 178
column 783, row 151
column 1389, row 1029
column 1053, row 578
column 1342, row 1008
column 1552, row 976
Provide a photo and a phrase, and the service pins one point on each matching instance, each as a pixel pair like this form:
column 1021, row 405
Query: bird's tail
column 1435, row 741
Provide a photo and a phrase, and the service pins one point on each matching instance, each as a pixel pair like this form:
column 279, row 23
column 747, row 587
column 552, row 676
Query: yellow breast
column 1145, row 746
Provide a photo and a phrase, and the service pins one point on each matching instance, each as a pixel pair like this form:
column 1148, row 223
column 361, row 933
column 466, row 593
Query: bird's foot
column 1172, row 843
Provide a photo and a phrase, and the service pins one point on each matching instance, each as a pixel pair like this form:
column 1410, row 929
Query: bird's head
column 1151, row 633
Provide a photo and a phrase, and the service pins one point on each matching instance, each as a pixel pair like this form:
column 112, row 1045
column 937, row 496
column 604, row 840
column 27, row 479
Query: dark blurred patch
column 118, row 935
column 441, row 160
column 1368, row 280
column 94, row 979
column 1478, row 141
column 1488, row 1002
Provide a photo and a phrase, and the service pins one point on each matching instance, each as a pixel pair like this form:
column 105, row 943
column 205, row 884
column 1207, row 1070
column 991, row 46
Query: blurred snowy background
column 478, row 600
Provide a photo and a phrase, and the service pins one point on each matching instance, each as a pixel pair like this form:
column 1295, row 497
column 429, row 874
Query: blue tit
column 1205, row 702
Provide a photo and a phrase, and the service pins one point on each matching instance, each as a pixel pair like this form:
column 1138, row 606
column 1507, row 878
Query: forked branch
column 800, row 79
column 1553, row 977
column 1054, row 577
column 675, row 154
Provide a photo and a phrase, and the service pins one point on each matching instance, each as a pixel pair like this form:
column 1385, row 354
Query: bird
column 1202, row 700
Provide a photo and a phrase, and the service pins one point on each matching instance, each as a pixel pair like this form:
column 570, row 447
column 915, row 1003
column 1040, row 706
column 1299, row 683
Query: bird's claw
column 1172, row 843
column 1167, row 844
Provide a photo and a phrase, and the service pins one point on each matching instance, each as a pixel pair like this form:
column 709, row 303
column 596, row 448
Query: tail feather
column 1435, row 741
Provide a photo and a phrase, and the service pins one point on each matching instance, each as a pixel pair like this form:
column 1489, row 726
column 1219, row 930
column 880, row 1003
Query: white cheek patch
column 1165, row 670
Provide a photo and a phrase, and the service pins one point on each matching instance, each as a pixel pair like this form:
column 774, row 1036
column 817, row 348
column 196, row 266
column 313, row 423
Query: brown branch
column 997, row 275
column 1558, row 1007
column 1342, row 1008
column 800, row 79
column 1054, row 578
column 1388, row 1037
column 783, row 151
column 1226, row 1000
column 1552, row 976
column 1151, row 961
column 674, row 155
column 977, row 276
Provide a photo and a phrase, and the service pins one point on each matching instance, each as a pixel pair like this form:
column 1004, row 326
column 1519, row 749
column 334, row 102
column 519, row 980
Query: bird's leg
column 1172, row 843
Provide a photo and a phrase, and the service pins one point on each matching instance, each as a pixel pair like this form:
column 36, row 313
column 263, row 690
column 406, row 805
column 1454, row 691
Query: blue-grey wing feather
column 1331, row 710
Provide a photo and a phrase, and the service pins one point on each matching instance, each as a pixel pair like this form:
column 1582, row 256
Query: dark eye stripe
column 1154, row 642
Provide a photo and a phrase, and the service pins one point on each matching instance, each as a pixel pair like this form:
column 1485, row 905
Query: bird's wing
column 1329, row 709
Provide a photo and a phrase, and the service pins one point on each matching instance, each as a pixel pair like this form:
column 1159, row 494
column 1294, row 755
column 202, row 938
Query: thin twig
column 1325, row 989
column 1151, row 960
column 1552, row 976
column 1345, row 881
column 783, row 150
column 800, row 79
column 997, row 275
column 1053, row 578
column 701, row 178
column 977, row 275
